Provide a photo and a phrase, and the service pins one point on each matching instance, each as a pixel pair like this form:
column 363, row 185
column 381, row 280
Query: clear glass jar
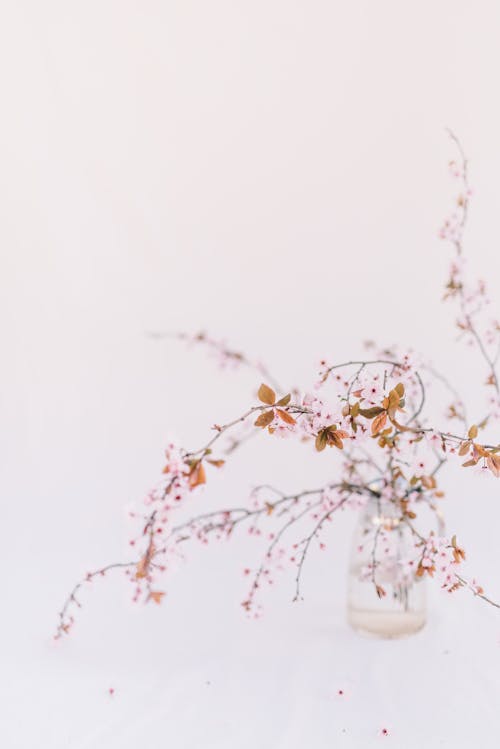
column 385, row 598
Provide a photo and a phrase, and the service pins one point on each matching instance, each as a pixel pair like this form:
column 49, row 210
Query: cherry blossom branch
column 308, row 539
column 262, row 568
column 65, row 620
column 240, row 419
column 367, row 406
column 478, row 591
column 227, row 519
column 457, row 240
column 230, row 518
column 398, row 366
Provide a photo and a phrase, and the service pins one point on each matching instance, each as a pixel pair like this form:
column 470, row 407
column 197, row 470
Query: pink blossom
column 419, row 467
column 434, row 439
column 373, row 392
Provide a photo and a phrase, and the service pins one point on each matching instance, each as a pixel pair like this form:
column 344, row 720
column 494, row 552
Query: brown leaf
column 321, row 440
column 284, row 416
column 464, row 449
column 265, row 418
column 472, row 432
column 142, row 567
column 355, row 409
column 393, row 399
column 284, row 401
column 370, row 413
column 197, row 475
column 400, row 389
column 479, row 451
column 379, row 422
column 216, row 463
column 267, row 395
column 493, row 463
column 429, row 482
column 334, row 440
column 156, row 596
column 342, row 434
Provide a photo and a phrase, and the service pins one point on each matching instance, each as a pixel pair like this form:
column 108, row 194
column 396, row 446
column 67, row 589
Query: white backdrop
column 267, row 171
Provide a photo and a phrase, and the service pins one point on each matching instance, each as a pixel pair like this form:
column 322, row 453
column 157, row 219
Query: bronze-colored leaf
column 197, row 475
column 342, row 434
column 141, row 569
column 156, row 596
column 321, row 441
column 284, row 401
column 393, row 399
column 216, row 463
column 473, row 432
column 335, row 441
column 464, row 449
column 379, row 422
column 265, row 418
column 370, row 413
column 493, row 463
column 429, row 482
column 400, row 389
column 267, row 395
column 285, row 416
column 479, row 451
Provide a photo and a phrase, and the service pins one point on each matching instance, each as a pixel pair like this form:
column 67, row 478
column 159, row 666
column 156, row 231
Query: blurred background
column 274, row 173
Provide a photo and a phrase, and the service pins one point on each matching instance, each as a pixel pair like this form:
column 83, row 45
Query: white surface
column 228, row 165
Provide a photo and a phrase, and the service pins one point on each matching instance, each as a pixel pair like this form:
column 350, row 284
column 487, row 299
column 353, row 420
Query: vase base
column 386, row 624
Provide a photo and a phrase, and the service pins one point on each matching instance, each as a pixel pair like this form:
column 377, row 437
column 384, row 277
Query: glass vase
column 385, row 598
